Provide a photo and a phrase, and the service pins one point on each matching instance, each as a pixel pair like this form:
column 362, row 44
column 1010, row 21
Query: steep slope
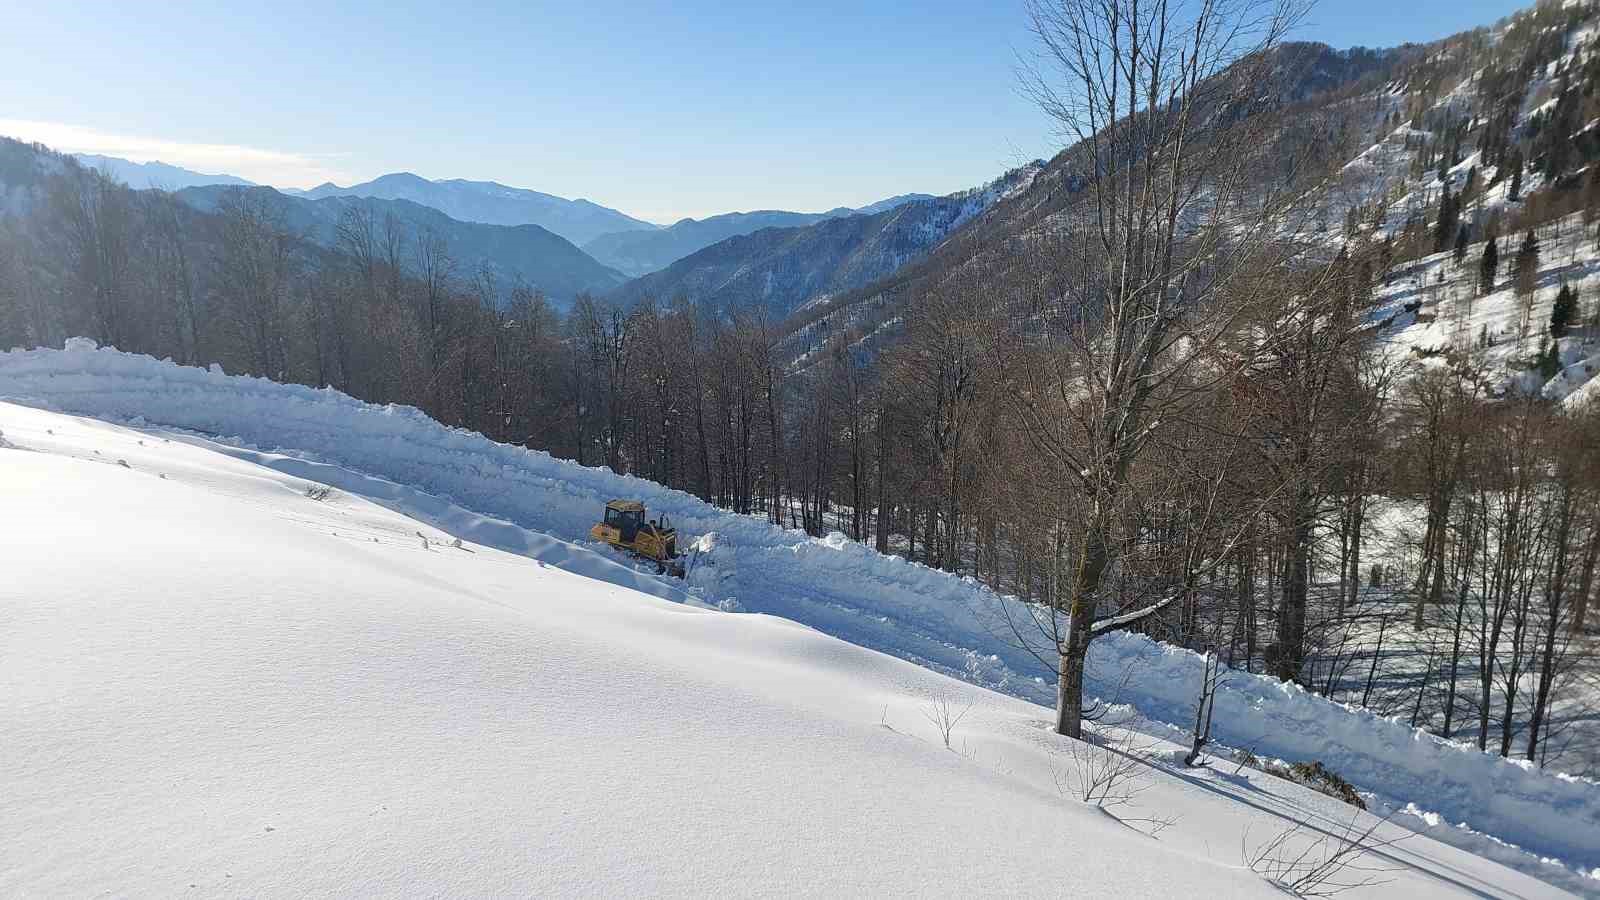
column 400, row 459
column 636, row 253
column 154, row 174
column 492, row 203
column 524, row 252
column 780, row 269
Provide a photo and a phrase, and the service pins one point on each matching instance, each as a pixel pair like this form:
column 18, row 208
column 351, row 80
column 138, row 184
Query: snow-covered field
column 213, row 674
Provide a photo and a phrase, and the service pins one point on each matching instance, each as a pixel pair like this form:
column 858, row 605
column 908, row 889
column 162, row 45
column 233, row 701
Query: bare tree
column 1169, row 215
column 92, row 216
column 253, row 275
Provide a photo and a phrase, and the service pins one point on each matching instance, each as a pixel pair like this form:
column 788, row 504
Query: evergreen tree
column 1556, row 136
column 1525, row 271
column 1550, row 362
column 1527, row 263
column 1564, row 313
column 1445, row 227
column 1514, row 162
column 1489, row 265
column 1461, row 244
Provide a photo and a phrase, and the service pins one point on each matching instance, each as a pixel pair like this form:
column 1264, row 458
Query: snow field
column 217, row 683
column 464, row 484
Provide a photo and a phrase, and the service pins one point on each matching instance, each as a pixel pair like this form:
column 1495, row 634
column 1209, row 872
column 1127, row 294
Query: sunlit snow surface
column 213, row 678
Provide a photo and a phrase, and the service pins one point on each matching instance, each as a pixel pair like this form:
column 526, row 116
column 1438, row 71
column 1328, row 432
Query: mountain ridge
column 491, row 203
column 780, row 269
column 531, row 253
column 156, row 174
column 638, row 253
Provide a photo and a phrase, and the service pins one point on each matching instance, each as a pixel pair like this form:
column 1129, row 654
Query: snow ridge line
column 948, row 623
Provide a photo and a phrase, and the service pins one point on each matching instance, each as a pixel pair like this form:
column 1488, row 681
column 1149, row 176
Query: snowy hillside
column 334, row 670
column 222, row 678
column 1434, row 305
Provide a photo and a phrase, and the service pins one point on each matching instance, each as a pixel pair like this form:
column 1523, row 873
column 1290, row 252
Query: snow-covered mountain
column 154, row 174
column 327, row 675
column 579, row 221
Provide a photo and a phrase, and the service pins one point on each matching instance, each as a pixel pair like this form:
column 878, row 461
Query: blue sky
column 660, row 110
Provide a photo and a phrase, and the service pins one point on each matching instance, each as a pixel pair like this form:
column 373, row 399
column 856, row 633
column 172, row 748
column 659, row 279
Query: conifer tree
column 1525, row 271
column 1527, row 263
column 1564, row 313
column 1489, row 265
column 1445, row 227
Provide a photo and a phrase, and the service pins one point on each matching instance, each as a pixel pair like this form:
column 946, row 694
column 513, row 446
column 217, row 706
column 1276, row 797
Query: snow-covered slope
column 1434, row 305
column 464, row 485
column 219, row 679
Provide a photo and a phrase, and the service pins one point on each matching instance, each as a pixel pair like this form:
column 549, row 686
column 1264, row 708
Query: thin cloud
column 274, row 167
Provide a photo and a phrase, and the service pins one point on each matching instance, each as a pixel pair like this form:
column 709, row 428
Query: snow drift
column 950, row 624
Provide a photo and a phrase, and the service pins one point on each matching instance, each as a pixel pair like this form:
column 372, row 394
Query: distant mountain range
column 771, row 258
column 156, row 174
column 641, row 252
column 781, row 269
column 528, row 253
column 579, row 221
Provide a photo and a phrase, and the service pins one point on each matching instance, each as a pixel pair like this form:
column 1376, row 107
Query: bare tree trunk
column 1292, row 606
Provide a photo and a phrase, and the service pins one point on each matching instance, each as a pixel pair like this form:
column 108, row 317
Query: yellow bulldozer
column 626, row 528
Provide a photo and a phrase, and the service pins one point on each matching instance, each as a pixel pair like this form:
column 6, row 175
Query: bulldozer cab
column 626, row 516
column 626, row 528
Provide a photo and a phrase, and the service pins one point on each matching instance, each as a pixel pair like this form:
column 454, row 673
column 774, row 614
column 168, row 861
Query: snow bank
column 938, row 620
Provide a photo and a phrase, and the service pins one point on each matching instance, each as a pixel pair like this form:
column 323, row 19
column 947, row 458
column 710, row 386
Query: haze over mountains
column 614, row 246
column 492, row 203
column 778, row 270
column 155, row 174
column 640, row 252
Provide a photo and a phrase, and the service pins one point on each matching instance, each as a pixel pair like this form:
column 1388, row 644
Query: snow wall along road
column 942, row 621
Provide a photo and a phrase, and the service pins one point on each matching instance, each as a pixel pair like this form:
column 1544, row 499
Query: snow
column 395, row 607
column 1446, row 292
column 218, row 683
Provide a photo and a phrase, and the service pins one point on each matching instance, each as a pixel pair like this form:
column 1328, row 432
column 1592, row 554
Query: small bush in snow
column 319, row 491
column 1310, row 862
column 1312, row 774
column 1105, row 770
column 945, row 712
